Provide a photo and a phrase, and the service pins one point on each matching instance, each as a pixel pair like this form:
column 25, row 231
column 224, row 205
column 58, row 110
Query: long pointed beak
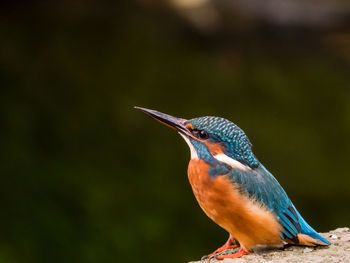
column 177, row 124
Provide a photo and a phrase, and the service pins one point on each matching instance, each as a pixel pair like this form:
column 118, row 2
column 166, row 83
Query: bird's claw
column 210, row 257
column 237, row 254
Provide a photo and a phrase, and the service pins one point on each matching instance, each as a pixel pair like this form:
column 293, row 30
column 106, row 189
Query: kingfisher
column 235, row 190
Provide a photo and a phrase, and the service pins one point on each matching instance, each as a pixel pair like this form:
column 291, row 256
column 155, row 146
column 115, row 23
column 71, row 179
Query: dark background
column 86, row 178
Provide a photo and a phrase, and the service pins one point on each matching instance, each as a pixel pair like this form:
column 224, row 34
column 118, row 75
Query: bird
column 235, row 190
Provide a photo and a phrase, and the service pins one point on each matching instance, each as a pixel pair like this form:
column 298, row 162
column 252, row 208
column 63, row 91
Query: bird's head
column 211, row 139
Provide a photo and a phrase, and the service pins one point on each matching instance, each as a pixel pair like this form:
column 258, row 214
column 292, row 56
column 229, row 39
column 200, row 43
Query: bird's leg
column 238, row 254
column 230, row 244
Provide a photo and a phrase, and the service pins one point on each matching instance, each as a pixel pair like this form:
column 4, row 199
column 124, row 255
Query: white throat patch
column 231, row 162
column 194, row 154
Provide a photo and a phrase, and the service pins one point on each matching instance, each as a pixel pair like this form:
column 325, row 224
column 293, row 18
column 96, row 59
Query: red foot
column 238, row 254
column 230, row 243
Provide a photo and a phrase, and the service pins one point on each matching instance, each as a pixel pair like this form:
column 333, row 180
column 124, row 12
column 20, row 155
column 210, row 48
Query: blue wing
column 260, row 184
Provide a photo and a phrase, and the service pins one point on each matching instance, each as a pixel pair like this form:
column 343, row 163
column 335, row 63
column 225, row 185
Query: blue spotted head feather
column 235, row 141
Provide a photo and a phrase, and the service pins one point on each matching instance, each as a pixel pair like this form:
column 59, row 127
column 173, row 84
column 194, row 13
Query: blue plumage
column 222, row 163
column 225, row 132
column 257, row 183
column 260, row 185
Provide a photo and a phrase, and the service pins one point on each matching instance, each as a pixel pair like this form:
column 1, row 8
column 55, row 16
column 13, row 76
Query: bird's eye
column 203, row 135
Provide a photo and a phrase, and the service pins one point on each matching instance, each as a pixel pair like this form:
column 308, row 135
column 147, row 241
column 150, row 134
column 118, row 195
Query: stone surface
column 337, row 252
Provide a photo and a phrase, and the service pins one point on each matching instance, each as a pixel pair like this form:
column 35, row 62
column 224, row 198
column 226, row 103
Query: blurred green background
column 86, row 178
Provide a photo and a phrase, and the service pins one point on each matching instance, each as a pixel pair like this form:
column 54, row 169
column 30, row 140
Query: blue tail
column 308, row 230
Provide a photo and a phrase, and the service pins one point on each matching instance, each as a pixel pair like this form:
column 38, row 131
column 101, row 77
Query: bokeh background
column 86, row 178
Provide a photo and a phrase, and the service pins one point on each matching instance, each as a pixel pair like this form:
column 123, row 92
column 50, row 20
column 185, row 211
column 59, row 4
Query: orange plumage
column 247, row 221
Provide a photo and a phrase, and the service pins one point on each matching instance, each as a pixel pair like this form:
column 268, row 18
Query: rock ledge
column 337, row 252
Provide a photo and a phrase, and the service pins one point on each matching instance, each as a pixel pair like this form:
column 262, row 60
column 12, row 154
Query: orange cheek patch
column 189, row 126
column 214, row 148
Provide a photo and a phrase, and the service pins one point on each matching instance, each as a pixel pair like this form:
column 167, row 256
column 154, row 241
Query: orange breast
column 249, row 222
